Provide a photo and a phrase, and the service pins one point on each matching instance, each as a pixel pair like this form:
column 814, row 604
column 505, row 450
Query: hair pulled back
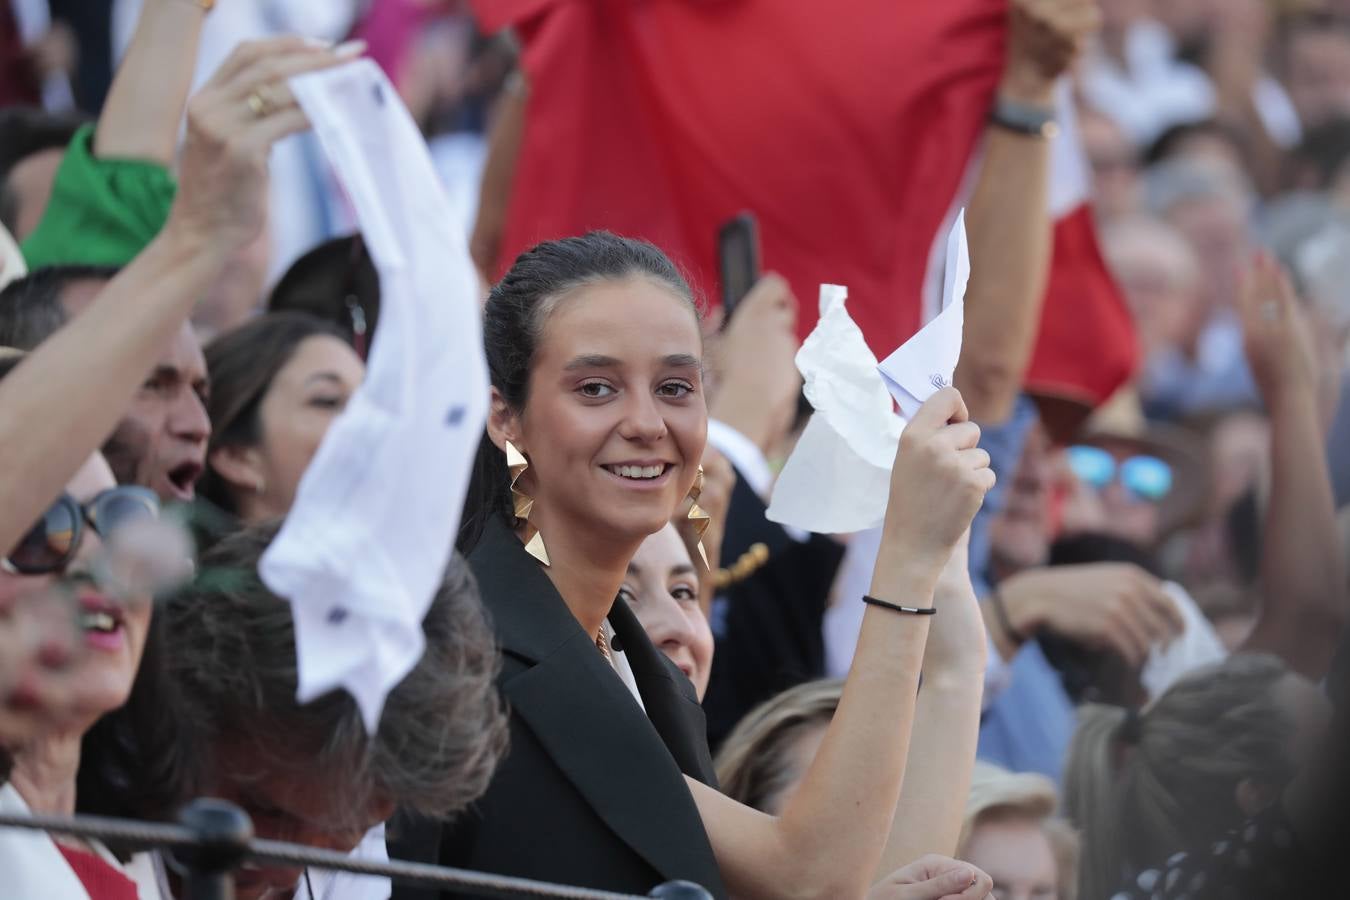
column 1142, row 785
column 514, row 317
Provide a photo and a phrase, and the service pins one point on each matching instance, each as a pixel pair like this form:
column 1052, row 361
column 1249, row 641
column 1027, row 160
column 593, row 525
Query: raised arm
column 1008, row 218
column 1303, row 608
column 946, row 725
column 829, row 839
column 61, row 402
column 494, row 200
column 144, row 107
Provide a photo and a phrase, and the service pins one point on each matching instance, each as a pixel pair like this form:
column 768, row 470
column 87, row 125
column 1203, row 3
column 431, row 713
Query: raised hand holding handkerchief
column 837, row 479
column 367, row 541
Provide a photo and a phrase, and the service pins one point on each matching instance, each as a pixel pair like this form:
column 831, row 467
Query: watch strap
column 1024, row 118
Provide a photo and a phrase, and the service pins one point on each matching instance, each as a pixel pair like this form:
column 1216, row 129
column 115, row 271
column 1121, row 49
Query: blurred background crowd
column 1160, row 571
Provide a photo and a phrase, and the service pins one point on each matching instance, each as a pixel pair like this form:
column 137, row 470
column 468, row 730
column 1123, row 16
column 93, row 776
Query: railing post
column 223, row 831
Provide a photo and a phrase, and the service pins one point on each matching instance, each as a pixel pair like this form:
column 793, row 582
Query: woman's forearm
column 829, row 838
column 937, row 777
column 1302, row 569
column 144, row 109
column 846, row 804
column 946, row 724
column 1009, row 228
column 62, row 402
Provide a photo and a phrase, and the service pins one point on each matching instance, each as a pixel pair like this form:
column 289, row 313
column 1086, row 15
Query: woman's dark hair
column 513, row 320
column 232, row 659
column 336, row 282
column 133, row 762
column 242, row 363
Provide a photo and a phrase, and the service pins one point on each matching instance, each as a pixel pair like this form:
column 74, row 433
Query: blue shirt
column 1027, row 725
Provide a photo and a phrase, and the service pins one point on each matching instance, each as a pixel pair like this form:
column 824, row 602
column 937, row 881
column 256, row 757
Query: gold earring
column 522, row 503
column 698, row 519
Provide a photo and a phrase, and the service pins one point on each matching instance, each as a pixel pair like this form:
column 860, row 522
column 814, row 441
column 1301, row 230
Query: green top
column 102, row 211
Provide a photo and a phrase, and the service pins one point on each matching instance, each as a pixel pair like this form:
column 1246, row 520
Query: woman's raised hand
column 934, row 878
column 938, row 482
column 232, row 123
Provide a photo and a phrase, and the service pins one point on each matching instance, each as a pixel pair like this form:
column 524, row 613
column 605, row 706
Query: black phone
column 737, row 260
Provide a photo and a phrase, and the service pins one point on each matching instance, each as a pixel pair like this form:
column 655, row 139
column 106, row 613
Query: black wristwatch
column 1023, row 118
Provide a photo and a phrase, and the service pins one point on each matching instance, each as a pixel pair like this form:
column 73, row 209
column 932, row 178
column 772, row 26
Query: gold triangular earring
column 522, row 503
column 699, row 519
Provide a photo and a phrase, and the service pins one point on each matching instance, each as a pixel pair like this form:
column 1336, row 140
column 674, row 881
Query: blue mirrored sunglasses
column 1145, row 477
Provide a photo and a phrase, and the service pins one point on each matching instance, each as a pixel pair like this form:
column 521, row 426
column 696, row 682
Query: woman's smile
column 641, row 475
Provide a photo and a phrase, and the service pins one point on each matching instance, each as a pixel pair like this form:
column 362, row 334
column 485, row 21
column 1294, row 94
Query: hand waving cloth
column 366, row 544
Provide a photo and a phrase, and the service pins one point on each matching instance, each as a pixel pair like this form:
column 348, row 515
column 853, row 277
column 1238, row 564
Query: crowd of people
column 1095, row 650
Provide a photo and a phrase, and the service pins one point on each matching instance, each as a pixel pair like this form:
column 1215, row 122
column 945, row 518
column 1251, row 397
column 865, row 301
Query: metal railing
column 213, row 838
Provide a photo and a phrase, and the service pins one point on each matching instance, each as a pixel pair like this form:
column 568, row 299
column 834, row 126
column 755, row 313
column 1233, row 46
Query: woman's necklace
column 602, row 645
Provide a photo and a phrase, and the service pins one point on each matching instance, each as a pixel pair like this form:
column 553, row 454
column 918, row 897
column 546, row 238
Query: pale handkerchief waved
column 837, row 479
column 366, row 543
column 926, row 362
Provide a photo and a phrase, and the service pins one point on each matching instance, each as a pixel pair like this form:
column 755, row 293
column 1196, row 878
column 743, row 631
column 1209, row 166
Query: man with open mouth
column 161, row 441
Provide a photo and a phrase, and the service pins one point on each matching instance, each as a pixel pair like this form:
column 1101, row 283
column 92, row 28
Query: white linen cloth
column 366, row 543
column 836, row 479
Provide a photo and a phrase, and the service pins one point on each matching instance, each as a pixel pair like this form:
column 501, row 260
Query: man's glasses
column 51, row 544
column 1145, row 477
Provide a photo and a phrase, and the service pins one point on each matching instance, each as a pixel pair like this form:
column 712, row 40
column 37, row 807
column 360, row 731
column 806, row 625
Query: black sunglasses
column 53, row 541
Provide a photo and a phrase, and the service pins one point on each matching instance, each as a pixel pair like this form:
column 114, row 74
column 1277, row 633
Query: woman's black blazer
column 592, row 791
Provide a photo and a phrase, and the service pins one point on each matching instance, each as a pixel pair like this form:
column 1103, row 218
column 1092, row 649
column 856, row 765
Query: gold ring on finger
column 258, row 104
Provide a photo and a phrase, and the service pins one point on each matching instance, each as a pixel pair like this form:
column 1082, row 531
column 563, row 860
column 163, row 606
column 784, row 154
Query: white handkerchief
column 1197, row 645
column 837, row 479
column 925, row 363
column 365, row 546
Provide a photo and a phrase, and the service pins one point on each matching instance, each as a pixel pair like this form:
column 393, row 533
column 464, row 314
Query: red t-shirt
column 846, row 128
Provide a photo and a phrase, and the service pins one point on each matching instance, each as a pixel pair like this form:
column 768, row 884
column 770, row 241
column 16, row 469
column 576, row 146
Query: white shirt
column 1154, row 90
column 32, row 867
column 346, row 886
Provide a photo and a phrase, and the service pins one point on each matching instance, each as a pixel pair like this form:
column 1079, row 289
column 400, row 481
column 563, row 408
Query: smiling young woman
column 595, row 433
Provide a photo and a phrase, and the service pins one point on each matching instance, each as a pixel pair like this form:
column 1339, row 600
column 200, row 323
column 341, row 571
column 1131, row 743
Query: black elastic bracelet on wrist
column 1001, row 613
column 910, row 610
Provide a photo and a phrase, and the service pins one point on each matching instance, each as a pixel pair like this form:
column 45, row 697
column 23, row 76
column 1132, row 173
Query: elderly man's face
column 161, row 441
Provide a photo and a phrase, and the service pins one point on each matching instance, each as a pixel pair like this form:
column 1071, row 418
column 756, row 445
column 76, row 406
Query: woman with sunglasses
column 596, row 429
column 62, row 560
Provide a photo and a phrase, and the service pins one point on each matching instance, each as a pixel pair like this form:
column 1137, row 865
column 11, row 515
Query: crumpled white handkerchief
column 1197, row 645
column 925, row 363
column 366, row 543
column 837, row 479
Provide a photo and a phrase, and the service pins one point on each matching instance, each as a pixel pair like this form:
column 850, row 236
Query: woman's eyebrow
column 682, row 361
column 592, row 361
